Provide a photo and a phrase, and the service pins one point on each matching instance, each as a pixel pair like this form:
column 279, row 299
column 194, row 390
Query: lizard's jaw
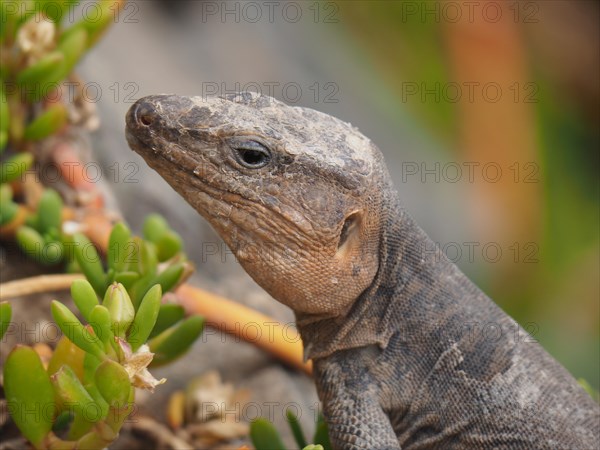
column 136, row 143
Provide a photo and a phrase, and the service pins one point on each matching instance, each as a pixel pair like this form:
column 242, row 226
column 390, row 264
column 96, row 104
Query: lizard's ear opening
column 350, row 233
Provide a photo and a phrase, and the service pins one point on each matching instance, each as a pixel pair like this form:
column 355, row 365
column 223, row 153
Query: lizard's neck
column 362, row 324
column 416, row 291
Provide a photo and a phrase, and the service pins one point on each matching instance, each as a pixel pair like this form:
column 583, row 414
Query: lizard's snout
column 143, row 123
column 155, row 112
column 153, row 124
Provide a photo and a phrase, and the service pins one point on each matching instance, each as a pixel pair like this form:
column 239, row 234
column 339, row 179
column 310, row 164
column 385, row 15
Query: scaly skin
column 408, row 353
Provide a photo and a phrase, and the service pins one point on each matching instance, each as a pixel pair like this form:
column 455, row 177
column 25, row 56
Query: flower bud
column 119, row 306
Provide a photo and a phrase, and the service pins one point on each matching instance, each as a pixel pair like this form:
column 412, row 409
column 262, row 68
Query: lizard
column 407, row 352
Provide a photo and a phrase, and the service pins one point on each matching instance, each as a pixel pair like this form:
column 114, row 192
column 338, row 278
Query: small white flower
column 136, row 366
column 36, row 37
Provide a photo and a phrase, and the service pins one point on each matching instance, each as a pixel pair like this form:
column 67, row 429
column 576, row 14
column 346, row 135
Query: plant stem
column 37, row 285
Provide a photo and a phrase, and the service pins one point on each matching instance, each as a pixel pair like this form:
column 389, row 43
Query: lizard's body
column 408, row 353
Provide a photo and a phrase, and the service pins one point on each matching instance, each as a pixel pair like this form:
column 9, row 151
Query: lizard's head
column 296, row 194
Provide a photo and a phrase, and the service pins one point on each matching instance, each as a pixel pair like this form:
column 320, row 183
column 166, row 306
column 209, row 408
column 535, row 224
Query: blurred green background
column 544, row 57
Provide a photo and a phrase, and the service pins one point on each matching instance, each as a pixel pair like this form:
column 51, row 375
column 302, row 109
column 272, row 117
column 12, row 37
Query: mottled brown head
column 295, row 193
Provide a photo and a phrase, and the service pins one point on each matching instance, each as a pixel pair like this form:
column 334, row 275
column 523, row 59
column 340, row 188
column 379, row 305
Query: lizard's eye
column 251, row 154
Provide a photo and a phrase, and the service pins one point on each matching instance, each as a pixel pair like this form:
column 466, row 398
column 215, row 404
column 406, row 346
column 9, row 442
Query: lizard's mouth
column 150, row 151
column 135, row 143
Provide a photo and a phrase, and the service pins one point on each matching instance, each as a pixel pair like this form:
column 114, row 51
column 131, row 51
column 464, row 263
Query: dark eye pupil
column 252, row 157
column 249, row 153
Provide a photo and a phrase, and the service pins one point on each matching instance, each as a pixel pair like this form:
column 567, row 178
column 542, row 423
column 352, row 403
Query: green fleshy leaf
column 264, row 436
column 3, row 140
column 13, row 168
column 38, row 72
column 145, row 318
column 72, row 266
column 148, row 258
column 4, row 111
column 79, row 427
column 127, row 279
column 174, row 342
column 94, row 392
column 62, row 421
column 5, row 315
column 47, row 123
column 321, row 434
column 90, row 365
column 296, row 428
column 117, row 246
column 75, row 331
column 56, row 9
column 50, row 210
column 6, row 194
column 113, row 383
column 12, row 15
column 8, row 208
column 100, row 322
column 155, row 226
column 110, row 276
column 33, row 221
column 118, row 414
column 168, row 245
column 71, row 45
column 96, row 27
column 169, row 277
column 89, row 261
column 31, row 242
column 85, row 298
column 8, row 211
column 66, row 353
column 131, row 256
column 74, row 395
column 168, row 315
column 52, row 253
column 28, row 10
column 29, row 394
column 140, row 287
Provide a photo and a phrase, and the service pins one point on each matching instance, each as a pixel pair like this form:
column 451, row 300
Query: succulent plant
column 264, row 435
column 90, row 379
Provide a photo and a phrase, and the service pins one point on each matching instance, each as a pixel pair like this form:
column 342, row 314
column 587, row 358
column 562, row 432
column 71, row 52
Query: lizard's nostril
column 144, row 113
column 145, row 119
